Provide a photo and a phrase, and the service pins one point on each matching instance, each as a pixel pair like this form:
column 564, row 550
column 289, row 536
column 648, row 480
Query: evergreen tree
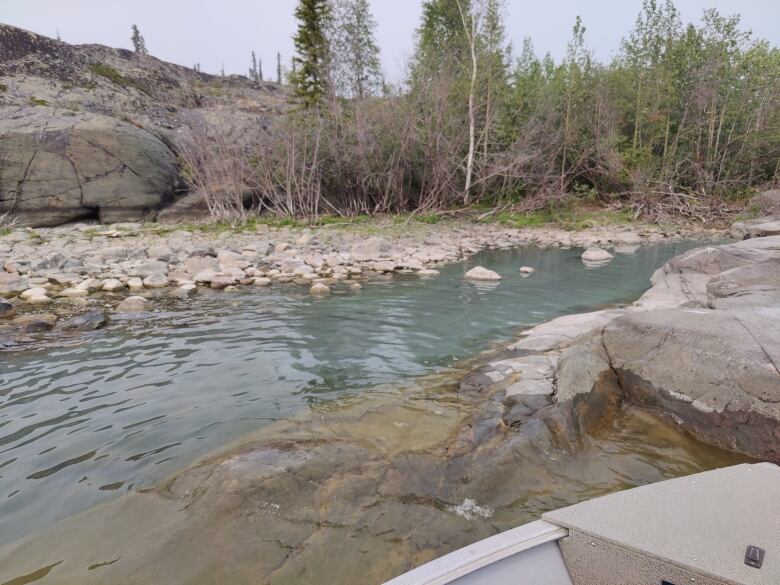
column 278, row 67
column 259, row 69
column 357, row 70
column 253, row 72
column 311, row 62
column 441, row 38
column 139, row 44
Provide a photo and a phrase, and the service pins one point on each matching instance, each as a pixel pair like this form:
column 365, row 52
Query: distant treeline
column 682, row 119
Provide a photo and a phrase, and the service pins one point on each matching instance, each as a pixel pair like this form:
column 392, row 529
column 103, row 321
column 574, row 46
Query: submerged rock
column 526, row 270
column 38, row 323
column 756, row 228
column 596, row 255
column 7, row 310
column 89, row 321
column 319, row 289
column 133, row 305
column 481, row 273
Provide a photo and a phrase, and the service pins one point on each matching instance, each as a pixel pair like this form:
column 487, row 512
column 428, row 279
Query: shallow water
column 131, row 404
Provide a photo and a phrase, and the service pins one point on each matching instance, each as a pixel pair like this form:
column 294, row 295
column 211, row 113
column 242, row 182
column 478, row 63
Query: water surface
column 131, row 404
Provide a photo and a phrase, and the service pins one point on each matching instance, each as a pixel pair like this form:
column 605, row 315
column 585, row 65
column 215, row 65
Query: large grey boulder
column 61, row 166
column 715, row 371
column 756, row 228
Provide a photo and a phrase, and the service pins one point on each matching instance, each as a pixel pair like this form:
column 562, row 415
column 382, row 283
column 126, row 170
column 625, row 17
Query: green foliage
column 429, row 218
column 115, row 77
column 355, row 64
column 34, row 101
column 139, row 44
column 3, row 87
column 309, row 75
column 570, row 217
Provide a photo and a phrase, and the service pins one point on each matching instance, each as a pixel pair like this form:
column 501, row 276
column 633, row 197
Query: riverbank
column 364, row 488
column 74, row 278
column 701, row 346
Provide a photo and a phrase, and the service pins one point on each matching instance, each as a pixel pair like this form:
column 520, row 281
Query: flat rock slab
column 717, row 371
column 756, row 228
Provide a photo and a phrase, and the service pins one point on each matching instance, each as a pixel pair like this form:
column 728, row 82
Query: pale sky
column 214, row 32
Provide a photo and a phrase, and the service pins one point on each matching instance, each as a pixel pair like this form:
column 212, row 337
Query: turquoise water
column 122, row 409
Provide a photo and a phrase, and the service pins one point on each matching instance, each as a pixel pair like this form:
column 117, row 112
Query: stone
column 304, row 239
column 319, row 289
column 756, row 228
column 83, row 158
column 716, row 371
column 149, row 268
column 133, row 305
column 135, row 283
column 185, row 290
column 90, row 285
column 596, row 255
column 262, row 281
column 205, row 275
column 113, row 285
column 12, row 283
column 221, row 281
column 356, row 286
column 7, row 310
column 626, row 238
column 32, row 292
column 195, row 264
column 428, row 272
column 89, row 321
column 160, row 252
column 156, row 281
column 526, row 270
column 372, row 248
column 481, row 273
column 36, row 323
column 39, row 299
column 73, row 292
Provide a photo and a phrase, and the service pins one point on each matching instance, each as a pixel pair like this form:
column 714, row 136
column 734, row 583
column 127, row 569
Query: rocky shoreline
column 701, row 346
column 464, row 458
column 73, row 278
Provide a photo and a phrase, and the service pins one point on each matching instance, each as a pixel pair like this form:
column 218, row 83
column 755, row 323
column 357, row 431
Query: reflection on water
column 85, row 421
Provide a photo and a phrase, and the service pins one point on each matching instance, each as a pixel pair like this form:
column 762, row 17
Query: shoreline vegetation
column 682, row 123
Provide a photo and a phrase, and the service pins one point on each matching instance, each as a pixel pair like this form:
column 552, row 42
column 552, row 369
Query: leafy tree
column 311, row 61
column 139, row 44
column 357, row 70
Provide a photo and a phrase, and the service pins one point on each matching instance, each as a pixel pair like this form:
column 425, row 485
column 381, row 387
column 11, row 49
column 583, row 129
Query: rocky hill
column 88, row 131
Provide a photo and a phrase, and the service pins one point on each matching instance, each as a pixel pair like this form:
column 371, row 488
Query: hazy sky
column 214, row 32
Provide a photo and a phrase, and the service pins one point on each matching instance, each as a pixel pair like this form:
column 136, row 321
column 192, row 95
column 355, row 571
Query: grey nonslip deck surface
column 697, row 525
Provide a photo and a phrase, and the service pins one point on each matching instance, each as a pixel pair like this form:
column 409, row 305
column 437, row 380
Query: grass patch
column 4, row 231
column 3, row 87
column 34, row 101
column 114, row 76
column 568, row 218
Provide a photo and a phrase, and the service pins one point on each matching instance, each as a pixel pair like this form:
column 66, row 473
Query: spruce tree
column 139, row 44
column 278, row 68
column 259, row 69
column 310, row 64
column 253, row 75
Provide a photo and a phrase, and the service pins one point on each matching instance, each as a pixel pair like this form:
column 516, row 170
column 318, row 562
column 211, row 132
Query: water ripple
column 129, row 405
